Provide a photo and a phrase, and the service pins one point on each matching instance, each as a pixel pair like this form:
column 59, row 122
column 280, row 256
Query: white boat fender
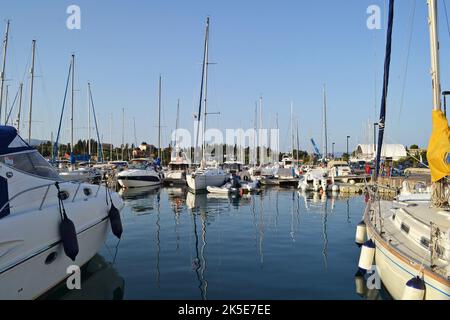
column 361, row 232
column 114, row 218
column 367, row 255
column 67, row 229
column 414, row 289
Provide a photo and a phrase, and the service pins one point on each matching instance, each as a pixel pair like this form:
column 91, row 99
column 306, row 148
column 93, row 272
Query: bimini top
column 11, row 142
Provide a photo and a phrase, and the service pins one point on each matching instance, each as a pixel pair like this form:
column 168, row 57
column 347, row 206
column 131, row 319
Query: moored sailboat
column 205, row 175
column 408, row 239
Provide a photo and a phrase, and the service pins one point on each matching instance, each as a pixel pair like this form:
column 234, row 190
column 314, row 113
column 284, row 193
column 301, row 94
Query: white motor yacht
column 46, row 224
column 140, row 173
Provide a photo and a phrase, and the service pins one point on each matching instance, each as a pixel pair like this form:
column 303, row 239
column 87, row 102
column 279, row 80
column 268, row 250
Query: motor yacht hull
column 38, row 274
column 138, row 178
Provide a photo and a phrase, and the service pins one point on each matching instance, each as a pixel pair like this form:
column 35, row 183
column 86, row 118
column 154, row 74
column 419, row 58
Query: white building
column 367, row 152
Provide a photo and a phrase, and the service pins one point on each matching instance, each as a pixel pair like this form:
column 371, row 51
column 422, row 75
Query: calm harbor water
column 280, row 244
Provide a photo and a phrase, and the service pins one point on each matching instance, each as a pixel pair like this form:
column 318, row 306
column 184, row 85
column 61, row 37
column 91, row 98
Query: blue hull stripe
column 413, row 275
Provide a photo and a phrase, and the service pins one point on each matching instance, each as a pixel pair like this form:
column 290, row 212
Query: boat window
column 405, row 228
column 425, row 242
column 31, row 163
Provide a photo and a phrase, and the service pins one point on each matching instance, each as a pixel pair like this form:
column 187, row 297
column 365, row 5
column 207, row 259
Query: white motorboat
column 219, row 190
column 37, row 208
column 177, row 171
column 339, row 168
column 314, row 179
column 140, row 173
column 232, row 166
column 251, row 186
column 231, row 187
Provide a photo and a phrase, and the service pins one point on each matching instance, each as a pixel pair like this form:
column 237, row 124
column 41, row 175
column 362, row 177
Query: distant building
column 367, row 152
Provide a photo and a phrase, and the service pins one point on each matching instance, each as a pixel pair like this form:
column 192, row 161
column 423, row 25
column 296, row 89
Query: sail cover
column 438, row 154
column 11, row 142
column 387, row 66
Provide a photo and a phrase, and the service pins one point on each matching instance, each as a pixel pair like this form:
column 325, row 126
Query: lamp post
column 348, row 154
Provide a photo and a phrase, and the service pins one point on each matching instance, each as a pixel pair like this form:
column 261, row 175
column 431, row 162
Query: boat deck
column 418, row 217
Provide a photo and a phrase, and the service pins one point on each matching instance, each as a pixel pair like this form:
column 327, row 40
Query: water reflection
column 99, row 281
column 197, row 204
column 205, row 246
column 141, row 200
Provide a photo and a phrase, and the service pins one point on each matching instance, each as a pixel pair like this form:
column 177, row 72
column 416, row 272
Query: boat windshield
column 31, row 163
column 138, row 166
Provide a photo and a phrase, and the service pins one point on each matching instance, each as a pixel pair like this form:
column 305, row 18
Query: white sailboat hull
column 396, row 270
column 200, row 182
column 397, row 257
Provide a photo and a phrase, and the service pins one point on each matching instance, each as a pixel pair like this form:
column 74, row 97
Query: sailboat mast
column 2, row 74
column 325, row 133
column 72, row 104
column 292, row 129
column 134, row 131
column 298, row 144
column 387, row 66
column 33, row 53
column 20, row 106
column 110, row 138
column 206, row 90
column 435, row 61
column 159, row 119
column 261, row 147
column 6, row 104
column 255, row 140
column 123, row 131
column 438, row 198
column 89, row 119
column 177, row 123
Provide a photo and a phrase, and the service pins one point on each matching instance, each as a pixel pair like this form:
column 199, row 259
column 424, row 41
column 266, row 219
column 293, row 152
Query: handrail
column 45, row 197
column 48, row 186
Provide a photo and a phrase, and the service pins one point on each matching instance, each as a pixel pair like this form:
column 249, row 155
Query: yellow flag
column 439, row 147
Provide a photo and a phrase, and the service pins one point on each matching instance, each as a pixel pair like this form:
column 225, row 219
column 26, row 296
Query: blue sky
column 282, row 50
